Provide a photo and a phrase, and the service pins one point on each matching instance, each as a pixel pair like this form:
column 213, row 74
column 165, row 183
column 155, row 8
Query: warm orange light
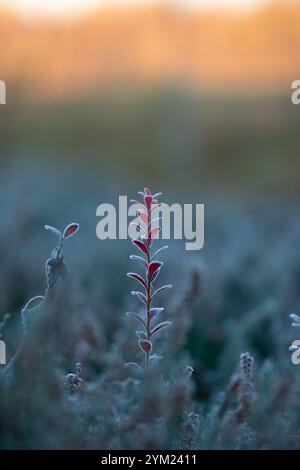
column 152, row 46
column 74, row 7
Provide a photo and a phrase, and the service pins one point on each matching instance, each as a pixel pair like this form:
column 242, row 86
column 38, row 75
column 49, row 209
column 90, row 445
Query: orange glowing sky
column 73, row 7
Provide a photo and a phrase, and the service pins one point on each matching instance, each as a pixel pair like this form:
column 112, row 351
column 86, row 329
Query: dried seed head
column 246, row 391
column 188, row 371
column 246, row 366
column 72, row 382
column 193, row 419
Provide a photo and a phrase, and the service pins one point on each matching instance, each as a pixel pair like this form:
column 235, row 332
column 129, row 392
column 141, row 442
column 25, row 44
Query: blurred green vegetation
column 173, row 136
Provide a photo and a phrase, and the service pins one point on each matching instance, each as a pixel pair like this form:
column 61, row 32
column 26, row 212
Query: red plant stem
column 148, row 306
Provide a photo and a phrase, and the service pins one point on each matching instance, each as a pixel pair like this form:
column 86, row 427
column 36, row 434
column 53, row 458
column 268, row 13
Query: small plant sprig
column 54, row 267
column 152, row 268
column 240, row 392
column 246, row 391
column 73, row 381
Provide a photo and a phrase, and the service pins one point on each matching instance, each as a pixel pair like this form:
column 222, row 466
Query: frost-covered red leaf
column 140, row 296
column 154, row 311
column 141, row 246
column 145, row 345
column 154, row 276
column 140, row 259
column 138, row 278
column 161, row 327
column 159, row 251
column 168, row 286
column 70, row 230
column 153, row 267
column 137, row 317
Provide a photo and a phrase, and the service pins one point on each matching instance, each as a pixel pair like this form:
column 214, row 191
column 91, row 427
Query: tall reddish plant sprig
column 152, row 266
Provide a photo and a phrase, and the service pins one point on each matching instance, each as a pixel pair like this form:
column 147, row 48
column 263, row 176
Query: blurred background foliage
column 160, row 90
column 196, row 105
